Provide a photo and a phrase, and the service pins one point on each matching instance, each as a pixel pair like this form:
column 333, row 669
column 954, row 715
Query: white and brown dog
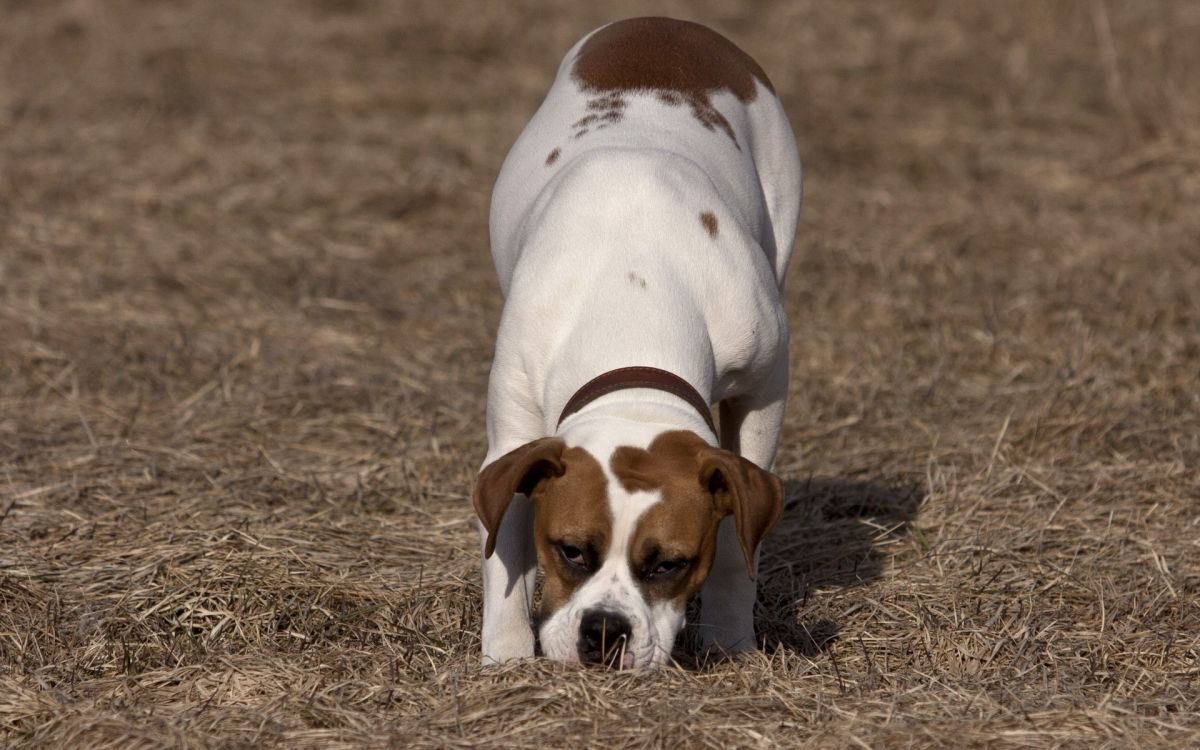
column 641, row 227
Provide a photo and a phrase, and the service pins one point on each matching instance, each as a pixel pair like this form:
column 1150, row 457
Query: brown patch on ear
column 519, row 470
column 553, row 156
column 752, row 495
column 709, row 220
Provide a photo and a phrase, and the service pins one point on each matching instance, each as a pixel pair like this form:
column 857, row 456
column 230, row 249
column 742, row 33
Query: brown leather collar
column 637, row 377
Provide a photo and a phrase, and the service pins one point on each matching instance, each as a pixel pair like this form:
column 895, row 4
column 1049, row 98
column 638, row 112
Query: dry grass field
column 247, row 313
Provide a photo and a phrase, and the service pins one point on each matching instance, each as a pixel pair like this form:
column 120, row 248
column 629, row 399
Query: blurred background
column 247, row 313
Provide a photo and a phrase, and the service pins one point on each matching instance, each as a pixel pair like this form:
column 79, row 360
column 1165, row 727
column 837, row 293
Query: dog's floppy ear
column 752, row 495
column 519, row 470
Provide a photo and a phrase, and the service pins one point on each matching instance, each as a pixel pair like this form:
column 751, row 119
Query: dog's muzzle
column 604, row 638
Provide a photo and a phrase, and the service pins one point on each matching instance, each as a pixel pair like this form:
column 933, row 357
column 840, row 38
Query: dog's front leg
column 509, row 576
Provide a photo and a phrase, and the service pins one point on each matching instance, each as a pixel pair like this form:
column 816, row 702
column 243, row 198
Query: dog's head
column 626, row 532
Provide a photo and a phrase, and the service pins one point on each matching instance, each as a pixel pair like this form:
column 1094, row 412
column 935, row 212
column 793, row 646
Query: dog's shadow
column 832, row 535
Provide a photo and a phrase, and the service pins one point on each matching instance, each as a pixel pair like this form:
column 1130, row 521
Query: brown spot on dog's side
column 571, row 508
column 709, row 220
column 636, row 279
column 680, row 60
column 553, row 156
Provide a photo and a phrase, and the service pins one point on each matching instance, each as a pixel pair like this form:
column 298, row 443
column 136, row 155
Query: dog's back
column 673, row 93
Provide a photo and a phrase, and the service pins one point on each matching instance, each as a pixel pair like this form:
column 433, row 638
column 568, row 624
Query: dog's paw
column 507, row 647
column 488, row 661
column 726, row 642
column 713, row 653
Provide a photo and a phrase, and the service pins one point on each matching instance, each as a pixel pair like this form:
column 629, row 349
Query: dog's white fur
column 604, row 263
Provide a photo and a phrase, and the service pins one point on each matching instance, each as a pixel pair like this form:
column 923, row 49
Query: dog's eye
column 668, row 568
column 573, row 555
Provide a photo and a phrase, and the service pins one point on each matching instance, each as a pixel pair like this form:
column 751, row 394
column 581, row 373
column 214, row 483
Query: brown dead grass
column 246, row 313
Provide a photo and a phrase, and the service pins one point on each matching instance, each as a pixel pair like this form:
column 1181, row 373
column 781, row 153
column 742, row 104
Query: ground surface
column 246, row 315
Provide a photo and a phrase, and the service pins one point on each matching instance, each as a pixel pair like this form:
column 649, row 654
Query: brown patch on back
column 603, row 111
column 709, row 220
column 572, row 507
column 682, row 61
column 684, row 523
column 611, row 107
column 553, row 156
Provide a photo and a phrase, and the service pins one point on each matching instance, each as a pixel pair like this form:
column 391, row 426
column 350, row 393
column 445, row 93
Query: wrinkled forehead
column 683, row 512
column 629, row 486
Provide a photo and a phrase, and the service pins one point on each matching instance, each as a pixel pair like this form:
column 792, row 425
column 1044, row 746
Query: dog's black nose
column 603, row 637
